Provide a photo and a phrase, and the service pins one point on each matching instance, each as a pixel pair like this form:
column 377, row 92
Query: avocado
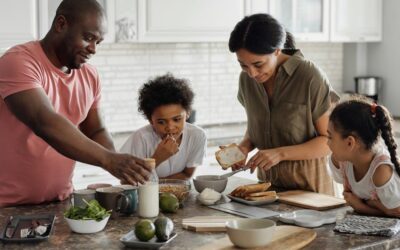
column 144, row 230
column 168, row 203
column 164, row 227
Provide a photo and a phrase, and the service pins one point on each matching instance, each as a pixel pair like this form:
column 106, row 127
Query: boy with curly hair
column 178, row 147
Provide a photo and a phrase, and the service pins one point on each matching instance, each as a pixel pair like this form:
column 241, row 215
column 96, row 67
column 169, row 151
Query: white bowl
column 249, row 233
column 87, row 226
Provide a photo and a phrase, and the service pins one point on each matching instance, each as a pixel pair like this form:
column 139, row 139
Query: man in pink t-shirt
column 49, row 111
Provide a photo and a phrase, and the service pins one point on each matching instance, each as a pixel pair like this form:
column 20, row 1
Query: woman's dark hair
column 164, row 90
column 260, row 34
column 361, row 118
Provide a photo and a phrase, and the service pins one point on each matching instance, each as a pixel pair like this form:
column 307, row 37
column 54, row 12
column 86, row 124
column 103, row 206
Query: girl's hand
column 240, row 164
column 265, row 159
column 394, row 212
column 353, row 200
column 165, row 149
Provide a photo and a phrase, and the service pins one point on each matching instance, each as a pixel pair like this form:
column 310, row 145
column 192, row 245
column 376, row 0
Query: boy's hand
column 165, row 149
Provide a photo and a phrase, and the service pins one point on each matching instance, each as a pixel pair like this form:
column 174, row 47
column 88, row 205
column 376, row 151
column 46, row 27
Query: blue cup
column 132, row 193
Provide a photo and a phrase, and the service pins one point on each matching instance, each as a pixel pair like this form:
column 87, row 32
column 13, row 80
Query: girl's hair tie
column 373, row 109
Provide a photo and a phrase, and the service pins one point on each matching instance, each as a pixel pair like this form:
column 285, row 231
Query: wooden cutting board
column 206, row 223
column 310, row 200
column 285, row 238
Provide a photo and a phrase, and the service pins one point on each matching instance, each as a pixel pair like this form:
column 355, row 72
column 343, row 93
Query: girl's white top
column 388, row 194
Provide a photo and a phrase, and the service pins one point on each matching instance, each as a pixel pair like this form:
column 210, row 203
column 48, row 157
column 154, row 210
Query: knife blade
column 12, row 226
column 232, row 211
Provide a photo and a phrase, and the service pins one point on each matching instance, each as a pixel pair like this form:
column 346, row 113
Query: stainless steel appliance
column 369, row 86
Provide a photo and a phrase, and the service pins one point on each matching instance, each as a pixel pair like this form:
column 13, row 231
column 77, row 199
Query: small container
column 250, row 233
column 149, row 192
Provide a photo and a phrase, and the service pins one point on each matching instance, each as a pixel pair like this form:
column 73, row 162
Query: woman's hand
column 165, row 149
column 265, row 159
column 240, row 164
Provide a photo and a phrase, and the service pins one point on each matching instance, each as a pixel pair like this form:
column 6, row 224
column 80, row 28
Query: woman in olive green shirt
column 287, row 99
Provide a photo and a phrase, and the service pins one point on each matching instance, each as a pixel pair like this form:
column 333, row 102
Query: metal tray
column 15, row 223
column 130, row 240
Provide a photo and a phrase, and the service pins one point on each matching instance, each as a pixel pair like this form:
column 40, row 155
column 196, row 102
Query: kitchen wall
column 378, row 59
column 211, row 69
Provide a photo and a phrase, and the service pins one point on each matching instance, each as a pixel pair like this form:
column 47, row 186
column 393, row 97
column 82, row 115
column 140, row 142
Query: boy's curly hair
column 164, row 90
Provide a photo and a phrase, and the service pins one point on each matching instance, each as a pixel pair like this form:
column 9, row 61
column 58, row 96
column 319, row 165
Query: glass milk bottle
column 148, row 193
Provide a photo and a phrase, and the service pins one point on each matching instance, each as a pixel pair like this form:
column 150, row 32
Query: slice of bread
column 261, row 198
column 229, row 156
column 258, row 189
column 265, row 193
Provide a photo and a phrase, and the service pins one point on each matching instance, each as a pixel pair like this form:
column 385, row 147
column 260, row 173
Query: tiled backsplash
column 211, row 69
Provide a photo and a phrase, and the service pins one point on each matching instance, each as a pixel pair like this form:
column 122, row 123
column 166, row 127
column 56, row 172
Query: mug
column 113, row 198
column 78, row 196
column 132, row 193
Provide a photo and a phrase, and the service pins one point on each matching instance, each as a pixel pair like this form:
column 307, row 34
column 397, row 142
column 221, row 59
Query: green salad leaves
column 93, row 211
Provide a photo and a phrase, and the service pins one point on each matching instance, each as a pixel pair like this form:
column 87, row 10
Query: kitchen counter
column 63, row 238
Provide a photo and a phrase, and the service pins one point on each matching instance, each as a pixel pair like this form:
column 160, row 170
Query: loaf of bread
column 229, row 156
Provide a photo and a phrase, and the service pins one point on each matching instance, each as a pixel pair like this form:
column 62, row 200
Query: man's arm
column 34, row 109
column 93, row 127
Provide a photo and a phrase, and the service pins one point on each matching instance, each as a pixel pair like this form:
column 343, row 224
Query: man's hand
column 265, row 159
column 127, row 168
column 165, row 149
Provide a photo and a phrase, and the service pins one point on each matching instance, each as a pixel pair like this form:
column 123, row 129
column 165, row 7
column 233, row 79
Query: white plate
column 308, row 218
column 252, row 203
column 130, row 240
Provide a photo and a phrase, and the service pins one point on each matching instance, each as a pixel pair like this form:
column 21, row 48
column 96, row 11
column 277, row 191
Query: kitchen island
column 64, row 238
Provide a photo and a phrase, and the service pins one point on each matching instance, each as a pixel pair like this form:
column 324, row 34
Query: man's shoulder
column 25, row 50
column 88, row 69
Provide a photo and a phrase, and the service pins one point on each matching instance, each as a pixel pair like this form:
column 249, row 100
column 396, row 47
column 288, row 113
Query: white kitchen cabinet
column 307, row 20
column 47, row 11
column 356, row 20
column 18, row 20
column 188, row 21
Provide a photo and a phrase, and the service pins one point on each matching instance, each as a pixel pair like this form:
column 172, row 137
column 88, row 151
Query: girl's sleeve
column 336, row 173
column 198, row 150
column 389, row 193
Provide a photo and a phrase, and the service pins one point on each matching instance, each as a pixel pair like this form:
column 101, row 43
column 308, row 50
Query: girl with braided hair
column 360, row 161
